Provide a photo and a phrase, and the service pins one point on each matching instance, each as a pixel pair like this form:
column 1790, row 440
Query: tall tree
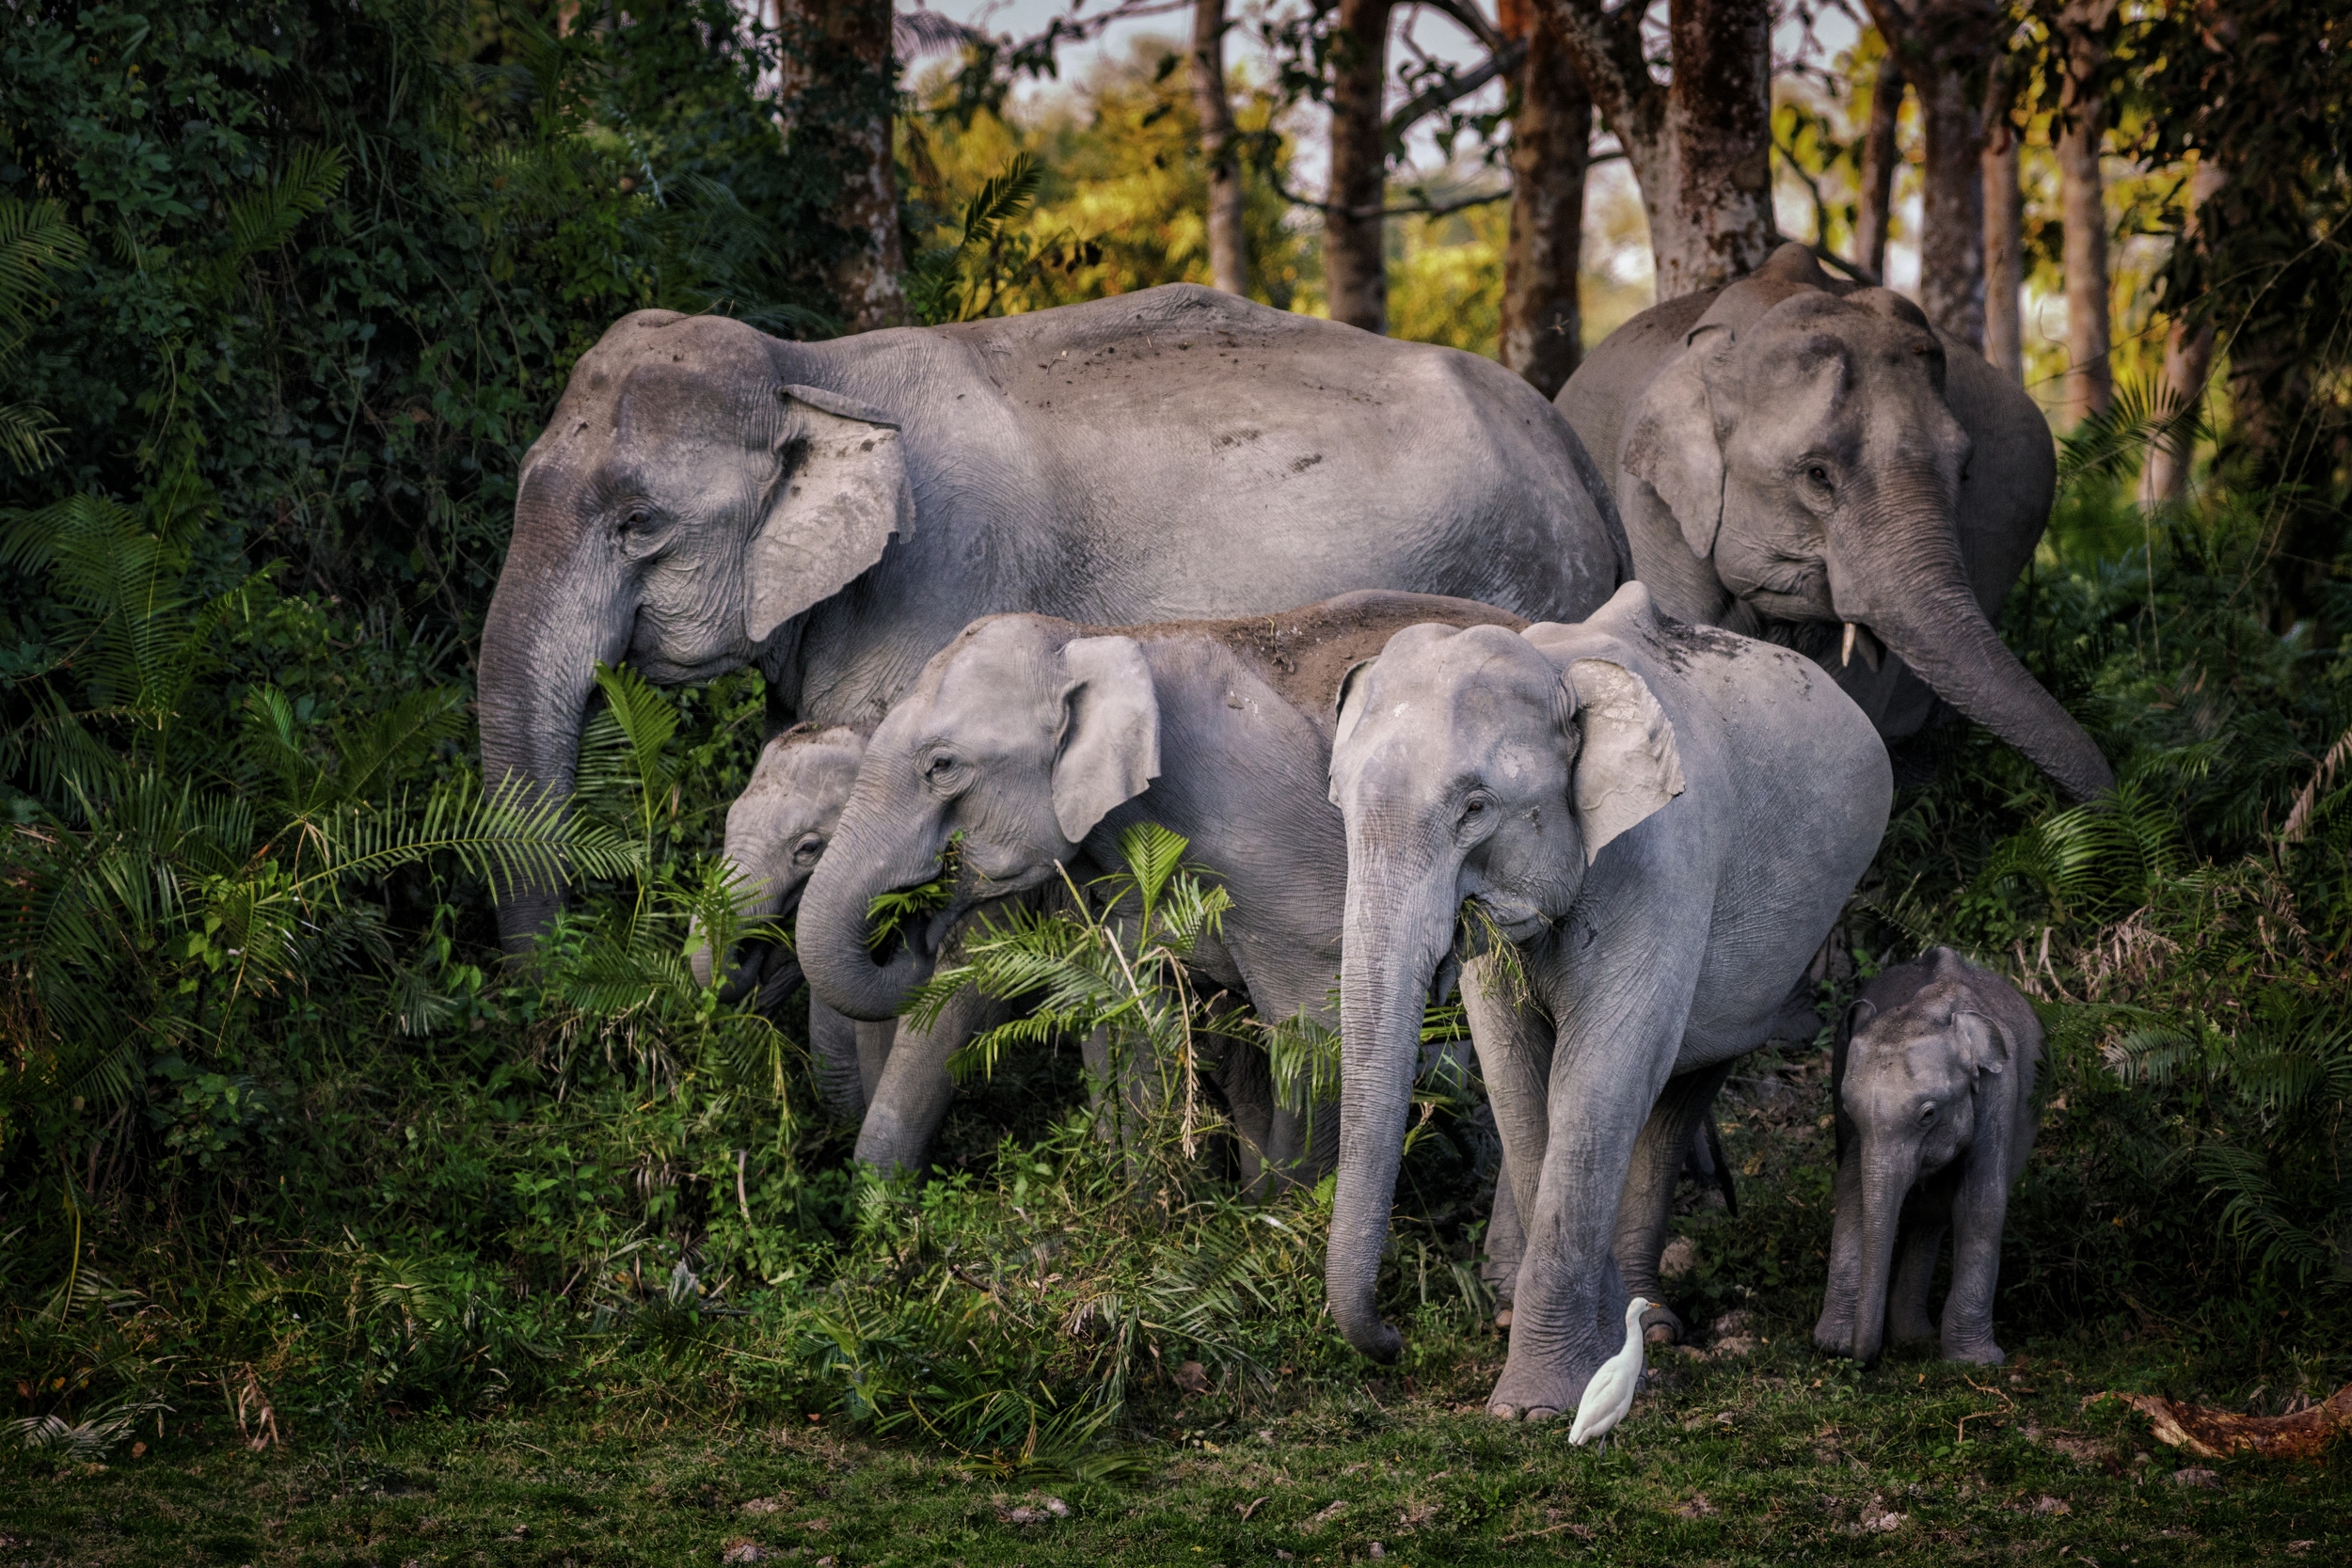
column 1701, row 144
column 1874, row 206
column 1946, row 47
column 838, row 75
column 1229, row 247
column 1543, row 321
column 2004, row 236
column 2082, row 123
column 1355, row 262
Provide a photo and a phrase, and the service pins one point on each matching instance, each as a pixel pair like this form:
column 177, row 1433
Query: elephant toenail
column 1504, row 1412
column 1541, row 1413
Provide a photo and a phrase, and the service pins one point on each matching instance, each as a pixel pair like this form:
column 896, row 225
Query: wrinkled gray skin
column 776, row 829
column 1790, row 453
column 1663, row 821
column 1933, row 1086
column 707, row 497
column 1041, row 741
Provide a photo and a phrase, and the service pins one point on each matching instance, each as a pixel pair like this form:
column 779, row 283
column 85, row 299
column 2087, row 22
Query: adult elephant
column 1810, row 462
column 707, row 496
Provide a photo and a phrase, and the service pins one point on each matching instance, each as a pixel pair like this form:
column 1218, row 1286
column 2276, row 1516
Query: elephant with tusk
column 706, row 496
column 1654, row 826
column 1809, row 462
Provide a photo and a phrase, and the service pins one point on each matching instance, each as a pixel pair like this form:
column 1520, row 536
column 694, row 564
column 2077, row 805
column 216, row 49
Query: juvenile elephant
column 776, row 829
column 1810, row 462
column 706, row 496
column 1654, row 825
column 1934, row 1089
column 1033, row 743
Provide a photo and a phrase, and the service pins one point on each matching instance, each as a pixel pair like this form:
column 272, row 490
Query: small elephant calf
column 777, row 829
column 1933, row 1087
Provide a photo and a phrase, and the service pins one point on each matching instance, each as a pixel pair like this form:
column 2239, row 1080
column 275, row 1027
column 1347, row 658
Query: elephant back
column 1304, row 654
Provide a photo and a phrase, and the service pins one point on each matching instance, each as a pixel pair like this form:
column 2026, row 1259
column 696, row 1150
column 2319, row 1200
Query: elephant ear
column 841, row 493
column 1670, row 442
column 1348, row 708
column 1626, row 767
column 1109, row 749
column 1983, row 1044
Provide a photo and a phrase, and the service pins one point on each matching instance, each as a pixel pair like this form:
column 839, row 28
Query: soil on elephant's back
column 1304, row 653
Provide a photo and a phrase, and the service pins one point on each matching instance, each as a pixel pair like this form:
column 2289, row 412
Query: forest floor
column 1750, row 1453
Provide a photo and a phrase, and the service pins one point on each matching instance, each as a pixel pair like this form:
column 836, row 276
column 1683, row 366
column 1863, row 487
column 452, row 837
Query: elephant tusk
column 1845, row 654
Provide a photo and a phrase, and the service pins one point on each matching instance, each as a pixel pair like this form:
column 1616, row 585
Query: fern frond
column 266, row 218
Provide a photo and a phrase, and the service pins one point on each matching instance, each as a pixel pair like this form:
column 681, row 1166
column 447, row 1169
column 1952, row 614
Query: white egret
column 1610, row 1394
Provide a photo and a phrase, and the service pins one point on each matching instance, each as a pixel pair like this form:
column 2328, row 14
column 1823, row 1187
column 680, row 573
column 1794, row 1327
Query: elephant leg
column 1566, row 1318
column 1648, row 1201
column 1248, row 1088
column 1978, row 1211
column 1834, row 1332
column 1514, row 1050
column 912, row 1097
column 1926, row 1214
column 874, row 1041
column 1506, row 1243
column 833, row 1046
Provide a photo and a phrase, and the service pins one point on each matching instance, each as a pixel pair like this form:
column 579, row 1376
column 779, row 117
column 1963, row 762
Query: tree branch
column 1421, row 107
column 1605, row 46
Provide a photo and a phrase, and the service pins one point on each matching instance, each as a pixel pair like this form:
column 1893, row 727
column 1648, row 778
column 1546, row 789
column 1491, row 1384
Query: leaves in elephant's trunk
column 889, row 913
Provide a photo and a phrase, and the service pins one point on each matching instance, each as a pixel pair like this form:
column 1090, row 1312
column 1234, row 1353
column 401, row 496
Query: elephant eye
column 1474, row 813
column 807, row 851
column 1818, row 475
column 1927, row 1113
column 637, row 519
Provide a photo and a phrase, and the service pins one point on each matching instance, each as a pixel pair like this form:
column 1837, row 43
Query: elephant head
column 684, row 503
column 776, row 830
column 1810, row 452
column 1017, row 738
column 1471, row 768
column 1919, row 1086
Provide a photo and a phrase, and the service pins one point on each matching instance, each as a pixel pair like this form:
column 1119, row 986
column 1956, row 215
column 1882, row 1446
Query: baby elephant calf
column 1934, row 1083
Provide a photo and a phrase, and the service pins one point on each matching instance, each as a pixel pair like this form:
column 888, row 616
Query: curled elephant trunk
column 541, row 644
column 1885, row 1183
column 1395, row 937
column 1929, row 615
column 853, row 977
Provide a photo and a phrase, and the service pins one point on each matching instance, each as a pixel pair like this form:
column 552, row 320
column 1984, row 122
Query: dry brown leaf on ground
column 2210, row 1434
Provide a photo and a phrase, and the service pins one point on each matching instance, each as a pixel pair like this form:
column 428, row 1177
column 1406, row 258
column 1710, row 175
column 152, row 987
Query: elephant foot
column 1528, row 1392
column 1982, row 1354
column 1661, row 1325
column 1502, row 1412
column 1834, row 1334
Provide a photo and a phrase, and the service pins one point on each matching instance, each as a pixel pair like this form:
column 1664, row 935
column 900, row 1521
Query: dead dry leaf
column 2210, row 1434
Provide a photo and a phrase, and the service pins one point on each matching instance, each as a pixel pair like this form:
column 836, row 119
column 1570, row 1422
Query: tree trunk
column 1543, row 323
column 1701, row 146
column 1229, row 247
column 1951, row 237
column 1946, row 48
column 2187, row 364
column 2090, row 374
column 2004, row 247
column 1874, row 206
column 1355, row 260
column 1718, row 207
column 839, row 75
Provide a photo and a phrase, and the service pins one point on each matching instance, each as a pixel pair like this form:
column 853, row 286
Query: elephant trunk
column 1886, row 1181
column 1929, row 615
column 769, row 899
column 541, row 644
column 842, row 969
column 1395, row 934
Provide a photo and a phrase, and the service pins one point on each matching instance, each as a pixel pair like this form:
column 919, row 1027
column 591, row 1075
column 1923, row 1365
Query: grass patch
column 1774, row 1456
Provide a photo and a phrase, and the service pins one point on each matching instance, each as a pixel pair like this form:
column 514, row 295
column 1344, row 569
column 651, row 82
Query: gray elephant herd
column 1363, row 622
